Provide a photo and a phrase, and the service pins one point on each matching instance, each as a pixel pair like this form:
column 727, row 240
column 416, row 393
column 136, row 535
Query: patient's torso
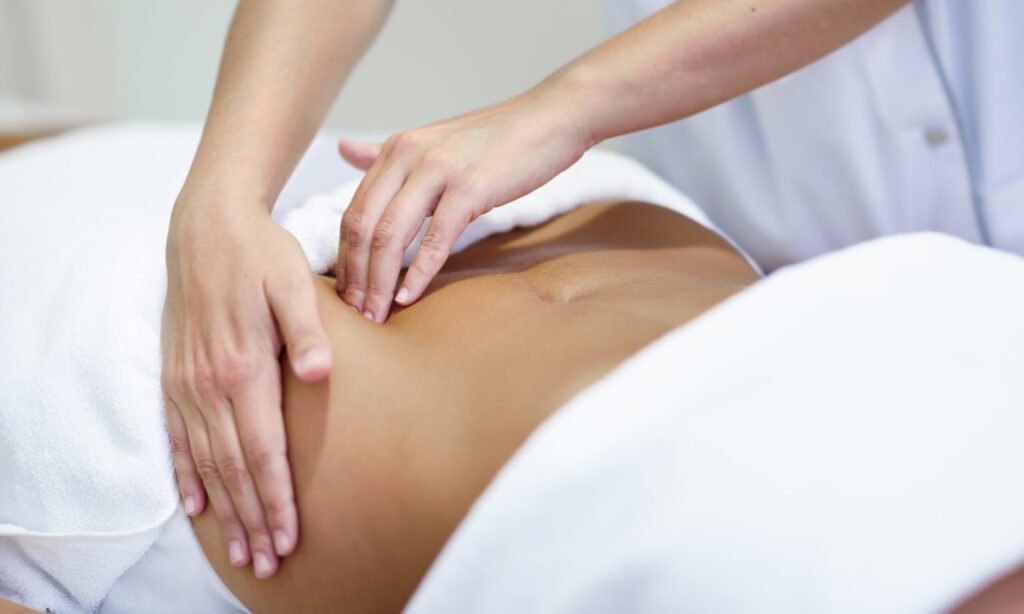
column 421, row 412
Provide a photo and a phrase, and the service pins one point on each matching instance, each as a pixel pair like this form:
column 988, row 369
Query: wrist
column 210, row 193
column 205, row 201
column 205, row 212
column 577, row 91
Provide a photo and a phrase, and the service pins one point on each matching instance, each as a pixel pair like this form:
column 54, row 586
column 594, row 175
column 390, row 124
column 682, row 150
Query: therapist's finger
column 394, row 232
column 223, row 508
column 447, row 224
column 293, row 302
column 359, row 154
column 239, row 483
column 369, row 179
column 264, row 444
column 193, row 495
column 358, row 225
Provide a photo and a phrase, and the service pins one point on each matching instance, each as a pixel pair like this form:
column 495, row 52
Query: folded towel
column 843, row 437
column 598, row 176
column 85, row 471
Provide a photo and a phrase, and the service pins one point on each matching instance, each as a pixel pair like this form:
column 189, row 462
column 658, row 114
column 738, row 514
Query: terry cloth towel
column 843, row 437
column 86, row 481
column 598, row 176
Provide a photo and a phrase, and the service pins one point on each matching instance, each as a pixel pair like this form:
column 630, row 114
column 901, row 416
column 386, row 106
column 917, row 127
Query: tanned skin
column 238, row 288
column 418, row 415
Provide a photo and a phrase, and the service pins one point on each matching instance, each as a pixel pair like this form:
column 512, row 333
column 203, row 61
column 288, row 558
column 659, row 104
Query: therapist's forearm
column 284, row 63
column 696, row 54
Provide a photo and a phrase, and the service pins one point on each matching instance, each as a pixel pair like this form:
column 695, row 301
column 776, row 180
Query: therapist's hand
column 239, row 289
column 454, row 171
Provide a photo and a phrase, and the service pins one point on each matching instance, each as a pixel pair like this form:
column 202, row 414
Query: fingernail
column 191, row 507
column 402, row 295
column 236, row 554
column 368, row 315
column 281, row 542
column 355, row 309
column 313, row 359
column 261, row 565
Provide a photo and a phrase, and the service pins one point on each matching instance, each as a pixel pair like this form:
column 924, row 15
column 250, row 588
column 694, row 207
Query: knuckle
column 377, row 290
column 434, row 246
column 405, row 142
column 354, row 227
column 179, row 445
column 179, row 382
column 355, row 289
column 230, row 524
column 436, row 161
column 265, row 462
column 259, row 538
column 420, row 269
column 278, row 508
column 205, row 387
column 391, row 142
column 235, row 476
column 384, row 235
column 208, row 471
column 235, row 371
column 470, row 190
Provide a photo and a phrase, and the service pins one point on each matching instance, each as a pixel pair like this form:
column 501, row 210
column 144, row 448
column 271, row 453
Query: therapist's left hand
column 455, row 171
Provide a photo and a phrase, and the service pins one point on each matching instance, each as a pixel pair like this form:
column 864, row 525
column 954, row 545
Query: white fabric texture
column 171, row 578
column 86, row 476
column 598, row 176
column 84, row 461
column 866, row 141
column 844, row 437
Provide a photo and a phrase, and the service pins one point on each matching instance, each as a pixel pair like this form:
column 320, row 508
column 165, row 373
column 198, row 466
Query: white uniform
column 916, row 125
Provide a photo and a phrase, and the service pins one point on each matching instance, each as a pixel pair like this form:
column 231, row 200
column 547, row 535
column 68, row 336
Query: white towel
column 598, row 176
column 844, row 437
column 85, row 472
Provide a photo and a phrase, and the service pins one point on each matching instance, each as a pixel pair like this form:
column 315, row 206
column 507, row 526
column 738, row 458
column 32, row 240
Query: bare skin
column 238, row 290
column 1003, row 596
column 418, row 415
column 9, row 607
column 238, row 294
column 686, row 58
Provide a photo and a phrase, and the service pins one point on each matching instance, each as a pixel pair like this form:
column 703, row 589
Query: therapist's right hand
column 239, row 289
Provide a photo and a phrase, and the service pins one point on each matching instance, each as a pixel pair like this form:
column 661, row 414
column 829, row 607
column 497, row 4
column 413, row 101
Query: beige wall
column 154, row 59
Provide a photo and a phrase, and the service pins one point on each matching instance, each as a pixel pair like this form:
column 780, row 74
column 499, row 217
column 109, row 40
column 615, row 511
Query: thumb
column 359, row 154
column 294, row 307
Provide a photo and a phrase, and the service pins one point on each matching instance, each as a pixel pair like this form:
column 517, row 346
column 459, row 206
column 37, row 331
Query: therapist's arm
column 689, row 57
column 696, row 54
column 239, row 288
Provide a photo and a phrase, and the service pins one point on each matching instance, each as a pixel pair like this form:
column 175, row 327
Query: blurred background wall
column 82, row 60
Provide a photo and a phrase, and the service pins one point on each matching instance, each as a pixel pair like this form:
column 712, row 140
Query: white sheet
column 599, row 176
column 845, row 437
column 173, row 577
column 84, row 460
column 84, row 466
